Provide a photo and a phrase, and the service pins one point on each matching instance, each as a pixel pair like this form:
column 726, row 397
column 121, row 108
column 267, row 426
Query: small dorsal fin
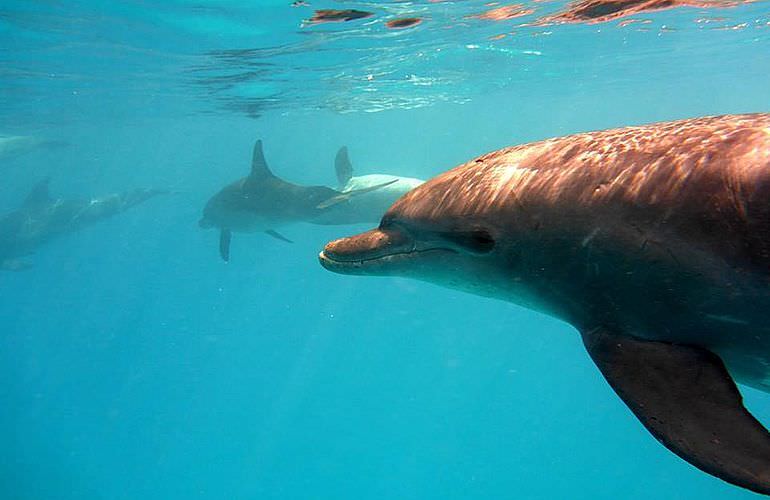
column 259, row 166
column 342, row 166
column 39, row 194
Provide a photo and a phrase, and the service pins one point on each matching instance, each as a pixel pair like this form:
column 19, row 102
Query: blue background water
column 135, row 364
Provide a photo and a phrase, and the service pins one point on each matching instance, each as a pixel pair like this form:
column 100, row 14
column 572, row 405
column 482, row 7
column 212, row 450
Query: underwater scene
column 429, row 249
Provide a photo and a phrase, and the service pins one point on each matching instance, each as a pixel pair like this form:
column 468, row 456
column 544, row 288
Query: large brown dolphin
column 653, row 241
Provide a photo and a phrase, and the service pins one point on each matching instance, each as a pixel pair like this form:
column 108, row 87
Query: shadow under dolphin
column 262, row 202
column 41, row 218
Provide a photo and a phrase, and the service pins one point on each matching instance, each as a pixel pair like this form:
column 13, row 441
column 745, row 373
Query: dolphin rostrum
column 262, row 202
column 652, row 241
column 42, row 218
column 370, row 207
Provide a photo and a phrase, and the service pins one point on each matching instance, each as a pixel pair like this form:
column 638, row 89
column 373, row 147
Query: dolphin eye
column 477, row 241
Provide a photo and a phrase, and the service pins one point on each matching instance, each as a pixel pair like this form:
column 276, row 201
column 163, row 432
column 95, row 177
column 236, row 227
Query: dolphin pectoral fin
column 356, row 192
column 15, row 265
column 334, row 200
column 225, row 235
column 278, row 236
column 685, row 397
column 342, row 197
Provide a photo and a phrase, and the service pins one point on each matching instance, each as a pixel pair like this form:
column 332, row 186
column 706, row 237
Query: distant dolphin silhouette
column 262, row 202
column 41, row 219
column 370, row 207
column 14, row 145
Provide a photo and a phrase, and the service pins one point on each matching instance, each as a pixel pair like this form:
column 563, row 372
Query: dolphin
column 262, row 202
column 14, row 145
column 370, row 207
column 42, row 218
column 652, row 241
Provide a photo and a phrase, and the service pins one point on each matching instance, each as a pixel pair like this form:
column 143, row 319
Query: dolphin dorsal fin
column 342, row 166
column 39, row 194
column 259, row 168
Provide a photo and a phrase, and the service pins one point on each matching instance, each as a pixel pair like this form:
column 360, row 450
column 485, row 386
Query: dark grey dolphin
column 262, row 202
column 653, row 241
column 41, row 219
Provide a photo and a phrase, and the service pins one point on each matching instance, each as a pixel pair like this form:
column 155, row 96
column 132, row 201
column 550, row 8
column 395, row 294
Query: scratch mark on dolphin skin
column 671, row 254
column 590, row 237
column 727, row 319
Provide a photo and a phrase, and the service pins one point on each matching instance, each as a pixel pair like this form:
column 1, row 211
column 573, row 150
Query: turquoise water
column 136, row 364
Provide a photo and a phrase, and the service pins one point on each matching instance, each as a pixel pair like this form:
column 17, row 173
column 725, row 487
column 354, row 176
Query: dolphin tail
column 342, row 197
column 686, row 398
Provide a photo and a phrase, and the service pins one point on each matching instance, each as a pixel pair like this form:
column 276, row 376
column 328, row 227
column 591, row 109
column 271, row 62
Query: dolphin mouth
column 375, row 250
column 334, row 264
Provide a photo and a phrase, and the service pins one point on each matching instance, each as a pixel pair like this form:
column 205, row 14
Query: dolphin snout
column 205, row 223
column 369, row 245
column 347, row 255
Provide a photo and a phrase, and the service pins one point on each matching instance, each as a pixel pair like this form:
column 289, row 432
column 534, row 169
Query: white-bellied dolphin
column 371, row 206
column 653, row 241
column 42, row 218
column 262, row 202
